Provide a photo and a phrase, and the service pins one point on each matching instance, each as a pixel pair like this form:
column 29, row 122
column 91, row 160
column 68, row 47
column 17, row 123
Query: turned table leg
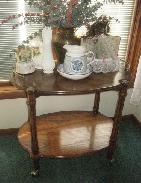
column 96, row 102
column 117, row 118
column 31, row 102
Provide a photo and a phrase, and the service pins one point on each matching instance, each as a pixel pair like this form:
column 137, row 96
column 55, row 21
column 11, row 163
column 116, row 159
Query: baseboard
column 128, row 117
column 9, row 131
column 134, row 118
column 131, row 117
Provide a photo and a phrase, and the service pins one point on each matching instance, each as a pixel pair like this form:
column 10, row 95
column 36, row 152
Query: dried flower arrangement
column 62, row 13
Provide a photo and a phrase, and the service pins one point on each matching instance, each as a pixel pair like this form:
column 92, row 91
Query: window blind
column 124, row 14
column 9, row 39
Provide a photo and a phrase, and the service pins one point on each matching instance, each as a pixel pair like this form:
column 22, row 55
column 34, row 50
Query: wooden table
column 72, row 133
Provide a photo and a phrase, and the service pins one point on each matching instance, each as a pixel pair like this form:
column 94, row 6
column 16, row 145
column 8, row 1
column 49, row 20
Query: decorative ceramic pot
column 25, row 67
column 77, row 60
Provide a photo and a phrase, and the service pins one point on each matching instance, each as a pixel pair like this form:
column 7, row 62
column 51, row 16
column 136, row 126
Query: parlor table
column 69, row 133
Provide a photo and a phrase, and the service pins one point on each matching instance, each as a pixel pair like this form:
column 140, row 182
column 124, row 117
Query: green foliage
column 101, row 26
column 57, row 12
column 84, row 13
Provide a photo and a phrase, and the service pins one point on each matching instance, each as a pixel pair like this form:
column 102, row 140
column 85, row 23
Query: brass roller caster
column 34, row 173
column 112, row 160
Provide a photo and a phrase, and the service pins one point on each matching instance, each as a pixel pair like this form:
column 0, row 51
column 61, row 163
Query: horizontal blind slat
column 10, row 39
column 124, row 15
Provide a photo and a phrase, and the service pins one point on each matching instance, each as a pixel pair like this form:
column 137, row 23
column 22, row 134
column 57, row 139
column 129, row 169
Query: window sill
column 8, row 91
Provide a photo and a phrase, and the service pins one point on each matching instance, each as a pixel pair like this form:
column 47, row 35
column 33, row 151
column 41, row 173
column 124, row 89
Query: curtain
column 136, row 95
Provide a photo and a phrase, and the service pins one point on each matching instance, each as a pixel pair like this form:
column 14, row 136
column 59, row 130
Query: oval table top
column 54, row 84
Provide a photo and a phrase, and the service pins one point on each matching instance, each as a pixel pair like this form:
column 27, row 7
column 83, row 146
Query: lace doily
column 105, row 65
column 103, row 46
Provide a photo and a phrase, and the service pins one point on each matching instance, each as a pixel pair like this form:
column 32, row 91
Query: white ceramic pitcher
column 77, row 60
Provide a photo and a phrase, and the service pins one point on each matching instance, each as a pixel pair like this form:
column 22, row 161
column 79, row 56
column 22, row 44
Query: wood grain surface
column 54, row 84
column 68, row 134
column 11, row 92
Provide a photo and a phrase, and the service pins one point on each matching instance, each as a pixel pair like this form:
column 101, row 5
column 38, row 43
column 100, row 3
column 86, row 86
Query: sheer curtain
column 136, row 95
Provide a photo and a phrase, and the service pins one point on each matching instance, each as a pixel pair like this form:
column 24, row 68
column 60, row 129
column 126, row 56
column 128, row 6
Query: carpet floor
column 15, row 163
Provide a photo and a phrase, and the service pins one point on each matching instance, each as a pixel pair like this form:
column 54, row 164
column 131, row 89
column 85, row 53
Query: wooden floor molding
column 11, row 131
column 128, row 117
column 131, row 117
column 134, row 118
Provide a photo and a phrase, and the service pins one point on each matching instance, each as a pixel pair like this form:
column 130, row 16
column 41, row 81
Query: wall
column 138, row 112
column 13, row 112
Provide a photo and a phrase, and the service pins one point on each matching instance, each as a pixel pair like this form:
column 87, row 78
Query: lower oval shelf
column 68, row 134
